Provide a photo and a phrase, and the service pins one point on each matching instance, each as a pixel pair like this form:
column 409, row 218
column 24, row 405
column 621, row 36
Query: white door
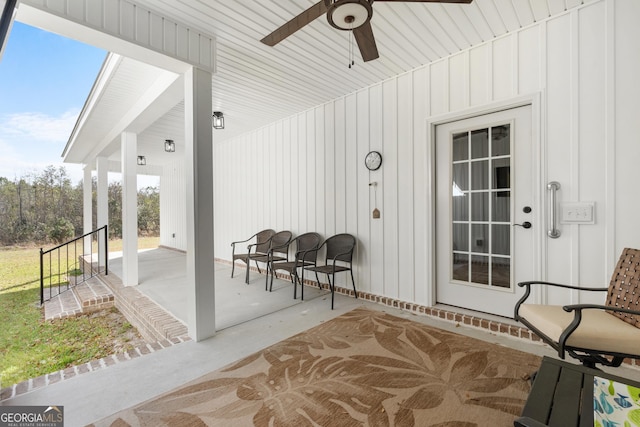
column 484, row 196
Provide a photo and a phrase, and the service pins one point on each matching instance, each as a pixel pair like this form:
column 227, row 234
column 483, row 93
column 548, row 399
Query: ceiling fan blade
column 296, row 23
column 366, row 41
column 429, row 1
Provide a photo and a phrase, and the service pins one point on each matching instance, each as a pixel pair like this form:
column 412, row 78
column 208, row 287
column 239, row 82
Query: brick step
column 94, row 295
column 65, row 304
column 86, row 297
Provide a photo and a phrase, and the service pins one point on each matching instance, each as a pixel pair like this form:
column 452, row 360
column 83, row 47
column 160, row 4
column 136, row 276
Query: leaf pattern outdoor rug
column 364, row 368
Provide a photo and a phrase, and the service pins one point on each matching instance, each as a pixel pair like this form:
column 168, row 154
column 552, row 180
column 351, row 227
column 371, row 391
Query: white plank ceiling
column 256, row 84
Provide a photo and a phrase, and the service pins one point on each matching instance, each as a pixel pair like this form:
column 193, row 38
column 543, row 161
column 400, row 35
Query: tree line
column 45, row 206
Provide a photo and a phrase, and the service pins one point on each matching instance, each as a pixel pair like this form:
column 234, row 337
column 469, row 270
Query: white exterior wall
column 624, row 156
column 173, row 202
column 306, row 173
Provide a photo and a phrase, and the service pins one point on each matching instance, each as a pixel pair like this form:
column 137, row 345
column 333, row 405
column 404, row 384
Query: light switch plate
column 578, row 213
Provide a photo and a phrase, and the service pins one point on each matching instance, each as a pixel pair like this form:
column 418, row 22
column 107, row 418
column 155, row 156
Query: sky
column 44, row 82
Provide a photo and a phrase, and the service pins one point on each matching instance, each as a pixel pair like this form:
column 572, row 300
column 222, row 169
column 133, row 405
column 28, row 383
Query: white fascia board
column 104, row 76
column 8, row 9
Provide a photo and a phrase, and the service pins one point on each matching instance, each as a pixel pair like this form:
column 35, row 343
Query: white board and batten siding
column 173, row 200
column 307, row 173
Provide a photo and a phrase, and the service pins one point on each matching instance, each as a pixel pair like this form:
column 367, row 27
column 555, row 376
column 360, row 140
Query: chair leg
column 233, row 267
column 271, row 283
column 258, row 267
column 266, row 278
column 294, row 280
column 332, row 289
column 353, row 282
column 246, row 278
column 301, row 285
column 268, row 269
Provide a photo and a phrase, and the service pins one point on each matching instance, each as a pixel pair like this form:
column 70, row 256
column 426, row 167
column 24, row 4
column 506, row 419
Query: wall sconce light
column 169, row 146
column 142, row 160
column 218, row 120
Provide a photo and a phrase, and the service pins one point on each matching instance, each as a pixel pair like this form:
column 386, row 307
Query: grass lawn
column 29, row 346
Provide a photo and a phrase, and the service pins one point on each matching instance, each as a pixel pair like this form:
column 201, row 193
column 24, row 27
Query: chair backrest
column 263, row 240
column 279, row 239
column 624, row 289
column 340, row 247
column 305, row 243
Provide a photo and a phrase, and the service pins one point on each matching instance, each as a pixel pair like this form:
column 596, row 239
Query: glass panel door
column 481, row 207
column 484, row 184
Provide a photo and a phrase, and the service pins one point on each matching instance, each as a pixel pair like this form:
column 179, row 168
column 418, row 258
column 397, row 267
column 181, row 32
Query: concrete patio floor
column 247, row 318
column 162, row 278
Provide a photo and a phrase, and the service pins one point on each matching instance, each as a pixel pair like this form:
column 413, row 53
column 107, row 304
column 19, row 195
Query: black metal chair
column 307, row 245
column 261, row 247
column 339, row 257
column 277, row 244
column 593, row 333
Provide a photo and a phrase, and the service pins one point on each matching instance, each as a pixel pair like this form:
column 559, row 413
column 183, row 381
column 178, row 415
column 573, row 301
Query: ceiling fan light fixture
column 349, row 14
column 345, row 15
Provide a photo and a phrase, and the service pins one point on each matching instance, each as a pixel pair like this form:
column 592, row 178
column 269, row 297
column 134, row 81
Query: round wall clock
column 373, row 160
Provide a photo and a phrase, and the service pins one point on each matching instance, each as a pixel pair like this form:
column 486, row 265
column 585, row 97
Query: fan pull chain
column 349, row 49
column 351, row 61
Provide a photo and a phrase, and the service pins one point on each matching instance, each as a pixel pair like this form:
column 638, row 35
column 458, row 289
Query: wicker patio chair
column 278, row 249
column 592, row 333
column 339, row 257
column 305, row 256
column 261, row 246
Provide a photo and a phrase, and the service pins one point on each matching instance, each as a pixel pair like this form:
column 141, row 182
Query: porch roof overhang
column 130, row 96
column 254, row 84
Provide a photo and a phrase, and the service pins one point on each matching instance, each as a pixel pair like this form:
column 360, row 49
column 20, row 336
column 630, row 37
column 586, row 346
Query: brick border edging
column 447, row 315
column 499, row 328
column 94, row 365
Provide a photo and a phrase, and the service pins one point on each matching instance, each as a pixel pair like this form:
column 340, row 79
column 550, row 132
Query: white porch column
column 129, row 153
column 199, row 196
column 102, row 166
column 87, row 207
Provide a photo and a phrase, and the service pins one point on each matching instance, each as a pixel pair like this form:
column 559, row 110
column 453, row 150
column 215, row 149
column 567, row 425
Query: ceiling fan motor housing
column 349, row 14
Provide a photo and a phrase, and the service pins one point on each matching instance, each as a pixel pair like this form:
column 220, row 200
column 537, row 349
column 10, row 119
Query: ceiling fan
column 346, row 15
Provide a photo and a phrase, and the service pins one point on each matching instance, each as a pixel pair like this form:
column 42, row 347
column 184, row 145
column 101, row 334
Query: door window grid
column 481, row 217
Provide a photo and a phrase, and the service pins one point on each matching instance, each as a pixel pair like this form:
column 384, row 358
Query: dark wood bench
column 562, row 395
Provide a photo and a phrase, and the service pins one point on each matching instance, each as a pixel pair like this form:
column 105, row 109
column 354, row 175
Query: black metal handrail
column 67, row 274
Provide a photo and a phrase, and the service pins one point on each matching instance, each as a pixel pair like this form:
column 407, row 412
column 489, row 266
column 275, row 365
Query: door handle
column 553, row 187
column 527, row 225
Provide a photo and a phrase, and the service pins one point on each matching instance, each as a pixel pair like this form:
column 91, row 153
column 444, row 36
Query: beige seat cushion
column 598, row 329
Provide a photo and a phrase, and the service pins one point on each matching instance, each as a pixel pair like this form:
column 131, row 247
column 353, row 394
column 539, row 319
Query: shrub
column 61, row 230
